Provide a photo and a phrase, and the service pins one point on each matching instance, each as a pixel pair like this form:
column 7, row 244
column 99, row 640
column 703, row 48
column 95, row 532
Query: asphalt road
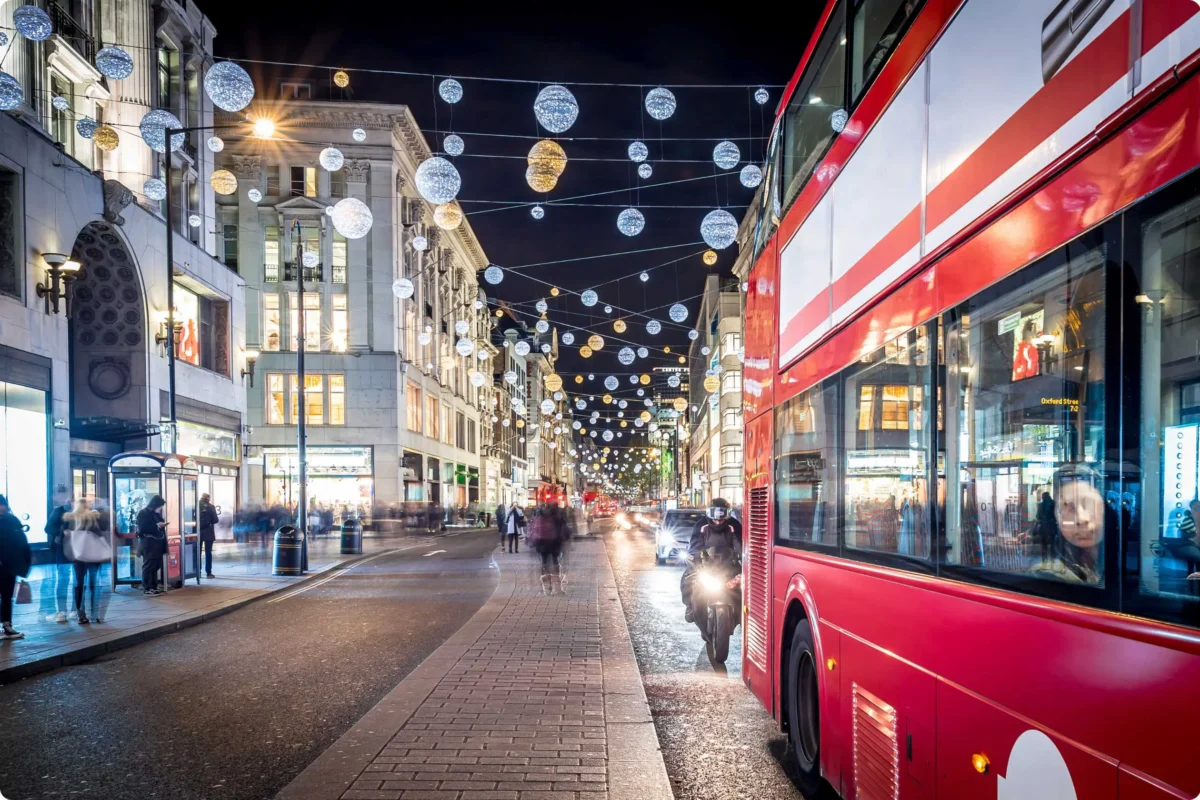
column 717, row 740
column 235, row 708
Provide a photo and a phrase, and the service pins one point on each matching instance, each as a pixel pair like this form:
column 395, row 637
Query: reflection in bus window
column 875, row 30
column 887, row 448
column 1025, row 380
column 817, row 109
column 806, row 466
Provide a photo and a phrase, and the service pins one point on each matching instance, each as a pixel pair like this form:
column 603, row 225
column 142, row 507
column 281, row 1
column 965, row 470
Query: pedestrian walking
column 53, row 603
column 15, row 561
column 152, row 535
column 547, row 535
column 514, row 523
column 208, row 531
column 501, row 521
column 88, row 545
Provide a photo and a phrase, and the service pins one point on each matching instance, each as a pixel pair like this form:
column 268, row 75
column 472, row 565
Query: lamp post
column 302, row 402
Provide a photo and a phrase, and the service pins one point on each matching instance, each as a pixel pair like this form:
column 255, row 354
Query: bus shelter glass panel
column 131, row 493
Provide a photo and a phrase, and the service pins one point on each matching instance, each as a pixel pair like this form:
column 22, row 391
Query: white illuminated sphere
column 653, row 326
column 510, row 377
column 751, row 176
column 215, row 144
column 310, row 259
column 558, row 396
column 450, row 90
column 32, row 23
column 645, row 171
column 352, row 218
column 705, row 350
column 537, row 212
column 454, row 145
column 522, row 348
column 673, row 381
column 576, row 425
column 589, row 298
column 482, row 355
column 424, row 338
column 493, row 274
column 154, row 126
column 462, row 327
column 477, row 378
column 403, row 288
column 85, row 126
column 254, row 195
column 660, row 103
column 608, row 436
column 547, row 406
column 568, row 338
column 693, row 334
column 506, row 423
column 608, row 309
column 726, row 155
column 545, row 348
column 359, row 135
column 464, row 347
column 194, row 220
column 113, row 62
column 556, row 108
column 610, row 383
column 638, row 152
column 154, row 189
column 228, row 86
column 632, row 379
column 592, row 433
column 630, row 222
column 838, row 120
column 626, row 356
column 541, row 306
column 541, row 326
column 438, row 181
column 580, row 403
column 718, row 229
column 331, row 159
column 59, row 102
column 478, row 304
column 761, row 96
column 420, row 243
column 642, row 352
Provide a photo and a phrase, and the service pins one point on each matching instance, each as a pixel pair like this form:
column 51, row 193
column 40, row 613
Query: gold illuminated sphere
column 549, row 155
column 447, row 216
column 596, row 341
column 579, row 379
column 619, row 326
column 607, row 398
column 554, row 382
column 541, row 178
column 680, row 404
column 624, row 424
column 223, row 182
column 341, row 79
column 520, row 423
column 585, row 351
column 603, row 460
column 499, row 312
column 710, row 257
column 712, row 383
column 606, row 451
column 554, row 291
column 682, row 360
column 645, row 416
column 645, row 380
column 106, row 138
column 666, row 349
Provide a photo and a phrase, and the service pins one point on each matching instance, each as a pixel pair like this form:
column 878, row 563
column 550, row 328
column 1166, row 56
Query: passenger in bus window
column 1081, row 514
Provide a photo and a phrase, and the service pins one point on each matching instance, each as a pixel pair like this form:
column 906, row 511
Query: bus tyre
column 803, row 708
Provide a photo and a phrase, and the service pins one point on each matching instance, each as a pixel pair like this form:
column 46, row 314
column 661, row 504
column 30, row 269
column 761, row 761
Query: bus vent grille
column 876, row 748
column 758, row 541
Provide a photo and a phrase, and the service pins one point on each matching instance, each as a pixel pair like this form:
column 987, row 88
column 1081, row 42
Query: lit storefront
column 341, row 478
column 24, row 454
column 413, row 469
column 217, row 454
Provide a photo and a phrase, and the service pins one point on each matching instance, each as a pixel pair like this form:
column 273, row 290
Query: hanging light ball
column 464, row 347
column 477, row 378
column 630, row 222
column 680, row 403
column 678, row 312
column 510, row 378
column 194, row 220
column 447, row 216
column 653, row 326
column 537, row 212
column 726, row 155
column 59, row 102
column 660, row 103
column 359, row 135
column 114, row 63
column 437, row 180
column 693, row 334
column 352, row 218
column 645, row 171
column 556, row 108
column 589, row 297
column 838, row 120
column 619, row 326
column 549, row 154
column 331, row 159
column 85, row 126
column 632, row 379
column 645, row 276
column 424, row 338
column 154, row 126
column 712, row 383
column 608, row 436
column 585, row 351
column 626, row 356
column 106, row 138
column 751, row 176
column 541, row 306
column 638, row 152
column 673, row 381
column 596, row 341
column 403, row 288
column 610, row 383
column 420, row 243
column 705, row 350
column 462, row 327
column 215, row 143
column 310, row 259
column 568, row 338
column 579, row 379
column 154, row 189
column 718, row 229
column 222, row 181
column 522, row 348
column 540, row 178
column 554, row 382
column 608, row 309
column 541, row 326
column 667, row 349
column 341, row 79
column 3, row 38
column 32, row 23
column 254, row 195
column 454, row 145
column 229, row 86
column 642, row 352
column 477, row 305
column 493, row 275
column 761, row 96
column 450, row 90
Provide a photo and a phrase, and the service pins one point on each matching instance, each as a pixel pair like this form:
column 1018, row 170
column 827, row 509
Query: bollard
column 351, row 536
column 289, row 545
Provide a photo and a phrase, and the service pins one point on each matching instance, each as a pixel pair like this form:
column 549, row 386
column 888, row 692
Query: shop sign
column 1009, row 323
column 202, row 441
column 322, row 461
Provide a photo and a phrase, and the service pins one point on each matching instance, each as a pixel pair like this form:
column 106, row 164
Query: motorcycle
column 719, row 578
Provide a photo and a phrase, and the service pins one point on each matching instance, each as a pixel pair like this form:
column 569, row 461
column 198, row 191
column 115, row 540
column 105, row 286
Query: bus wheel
column 803, row 708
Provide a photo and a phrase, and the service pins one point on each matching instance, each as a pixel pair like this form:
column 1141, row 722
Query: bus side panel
column 758, row 371
column 758, row 644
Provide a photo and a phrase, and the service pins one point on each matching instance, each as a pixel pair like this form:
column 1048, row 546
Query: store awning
column 112, row 429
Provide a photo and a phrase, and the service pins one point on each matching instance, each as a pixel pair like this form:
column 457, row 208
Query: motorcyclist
column 717, row 530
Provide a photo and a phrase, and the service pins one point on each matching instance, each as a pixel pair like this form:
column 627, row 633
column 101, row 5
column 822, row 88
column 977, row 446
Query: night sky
column 684, row 45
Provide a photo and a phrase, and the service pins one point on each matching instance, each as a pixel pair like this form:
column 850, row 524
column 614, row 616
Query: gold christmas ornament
column 554, row 382
column 624, row 424
column 619, row 326
column 666, row 349
column 645, row 415
column 540, row 178
column 596, row 341
column 710, row 257
column 607, row 398
column 223, row 182
column 712, row 383
column 645, row 380
column 680, row 404
column 606, row 451
column 554, row 291
column 106, row 138
column 520, row 423
column 548, row 154
column 682, row 360
column 579, row 379
column 499, row 312
column 447, row 216
column 341, row 79
column 585, row 351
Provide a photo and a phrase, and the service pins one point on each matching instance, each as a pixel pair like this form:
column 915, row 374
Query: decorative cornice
column 247, row 168
column 357, row 169
column 302, row 115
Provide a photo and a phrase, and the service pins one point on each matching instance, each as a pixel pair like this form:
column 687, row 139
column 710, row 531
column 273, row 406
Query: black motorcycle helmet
column 718, row 511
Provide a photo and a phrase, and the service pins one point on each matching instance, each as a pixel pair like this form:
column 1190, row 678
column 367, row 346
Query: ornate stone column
column 357, row 171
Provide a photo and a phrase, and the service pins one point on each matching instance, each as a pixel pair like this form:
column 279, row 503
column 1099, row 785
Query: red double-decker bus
column 972, row 386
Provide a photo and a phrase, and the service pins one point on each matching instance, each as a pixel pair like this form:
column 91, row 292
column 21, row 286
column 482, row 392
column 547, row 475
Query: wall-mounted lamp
column 162, row 338
column 251, row 358
column 62, row 272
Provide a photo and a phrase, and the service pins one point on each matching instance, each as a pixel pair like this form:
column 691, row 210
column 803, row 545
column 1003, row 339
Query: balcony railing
column 70, row 30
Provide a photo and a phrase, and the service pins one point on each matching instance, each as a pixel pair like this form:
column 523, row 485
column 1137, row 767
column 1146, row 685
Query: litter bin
column 289, row 552
column 351, row 536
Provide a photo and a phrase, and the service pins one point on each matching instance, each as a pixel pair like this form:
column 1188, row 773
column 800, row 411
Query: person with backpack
column 15, row 561
column 514, row 523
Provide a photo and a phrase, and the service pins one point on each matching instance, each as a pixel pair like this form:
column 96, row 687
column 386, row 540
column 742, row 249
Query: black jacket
column 208, row 521
column 709, row 534
column 54, row 531
column 15, row 556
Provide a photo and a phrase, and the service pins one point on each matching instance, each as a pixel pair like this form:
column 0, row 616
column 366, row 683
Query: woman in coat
column 85, row 519
column 15, row 561
column 151, row 531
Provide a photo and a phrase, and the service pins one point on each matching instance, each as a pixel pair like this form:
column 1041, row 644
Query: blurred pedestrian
column 547, row 535
column 500, row 523
column 15, row 561
column 152, row 534
column 53, row 605
column 208, row 531
column 514, row 523
column 88, row 544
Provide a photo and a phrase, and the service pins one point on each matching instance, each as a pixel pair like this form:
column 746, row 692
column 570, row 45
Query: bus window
column 806, row 462
column 887, row 436
column 1025, row 424
column 875, row 30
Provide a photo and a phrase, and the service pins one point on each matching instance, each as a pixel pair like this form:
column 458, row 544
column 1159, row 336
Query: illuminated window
column 272, row 337
column 314, row 399
column 894, row 408
column 414, row 407
column 271, row 253
column 337, row 399
column 312, row 320
column 275, row 400
column 433, row 415
column 341, row 323
column 339, row 258
column 866, row 405
column 304, row 181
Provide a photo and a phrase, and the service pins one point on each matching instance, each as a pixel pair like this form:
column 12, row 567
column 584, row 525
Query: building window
column 304, row 181
column 337, row 399
column 203, row 324
column 230, row 236
column 731, row 343
column 731, row 382
column 289, row 90
column 471, row 446
column 433, row 415
column 12, row 222
column 62, row 123
column 460, row 430
column 312, row 320
column 271, row 253
column 733, row 418
column 341, row 324
column 273, row 183
column 414, row 407
column 339, row 258
column 276, row 402
column 272, row 337
column 337, row 184
column 168, row 61
column 314, row 399
column 731, row 455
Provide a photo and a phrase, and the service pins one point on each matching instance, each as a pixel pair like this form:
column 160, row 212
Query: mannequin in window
column 1025, row 359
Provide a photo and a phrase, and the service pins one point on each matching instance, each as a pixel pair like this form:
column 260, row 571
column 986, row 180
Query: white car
column 672, row 536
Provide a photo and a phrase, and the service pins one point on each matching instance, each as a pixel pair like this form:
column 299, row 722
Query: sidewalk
column 243, row 575
column 535, row 698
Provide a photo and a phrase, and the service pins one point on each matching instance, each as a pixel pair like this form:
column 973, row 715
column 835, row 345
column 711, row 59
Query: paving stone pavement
column 536, row 698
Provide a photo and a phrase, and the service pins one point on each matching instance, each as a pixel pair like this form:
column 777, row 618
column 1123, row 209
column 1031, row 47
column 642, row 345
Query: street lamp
column 62, row 272
column 251, row 358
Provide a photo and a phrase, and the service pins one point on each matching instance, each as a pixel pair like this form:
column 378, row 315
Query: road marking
column 336, row 574
column 433, row 553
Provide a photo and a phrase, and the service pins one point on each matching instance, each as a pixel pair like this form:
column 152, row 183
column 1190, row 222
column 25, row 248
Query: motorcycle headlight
column 710, row 582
